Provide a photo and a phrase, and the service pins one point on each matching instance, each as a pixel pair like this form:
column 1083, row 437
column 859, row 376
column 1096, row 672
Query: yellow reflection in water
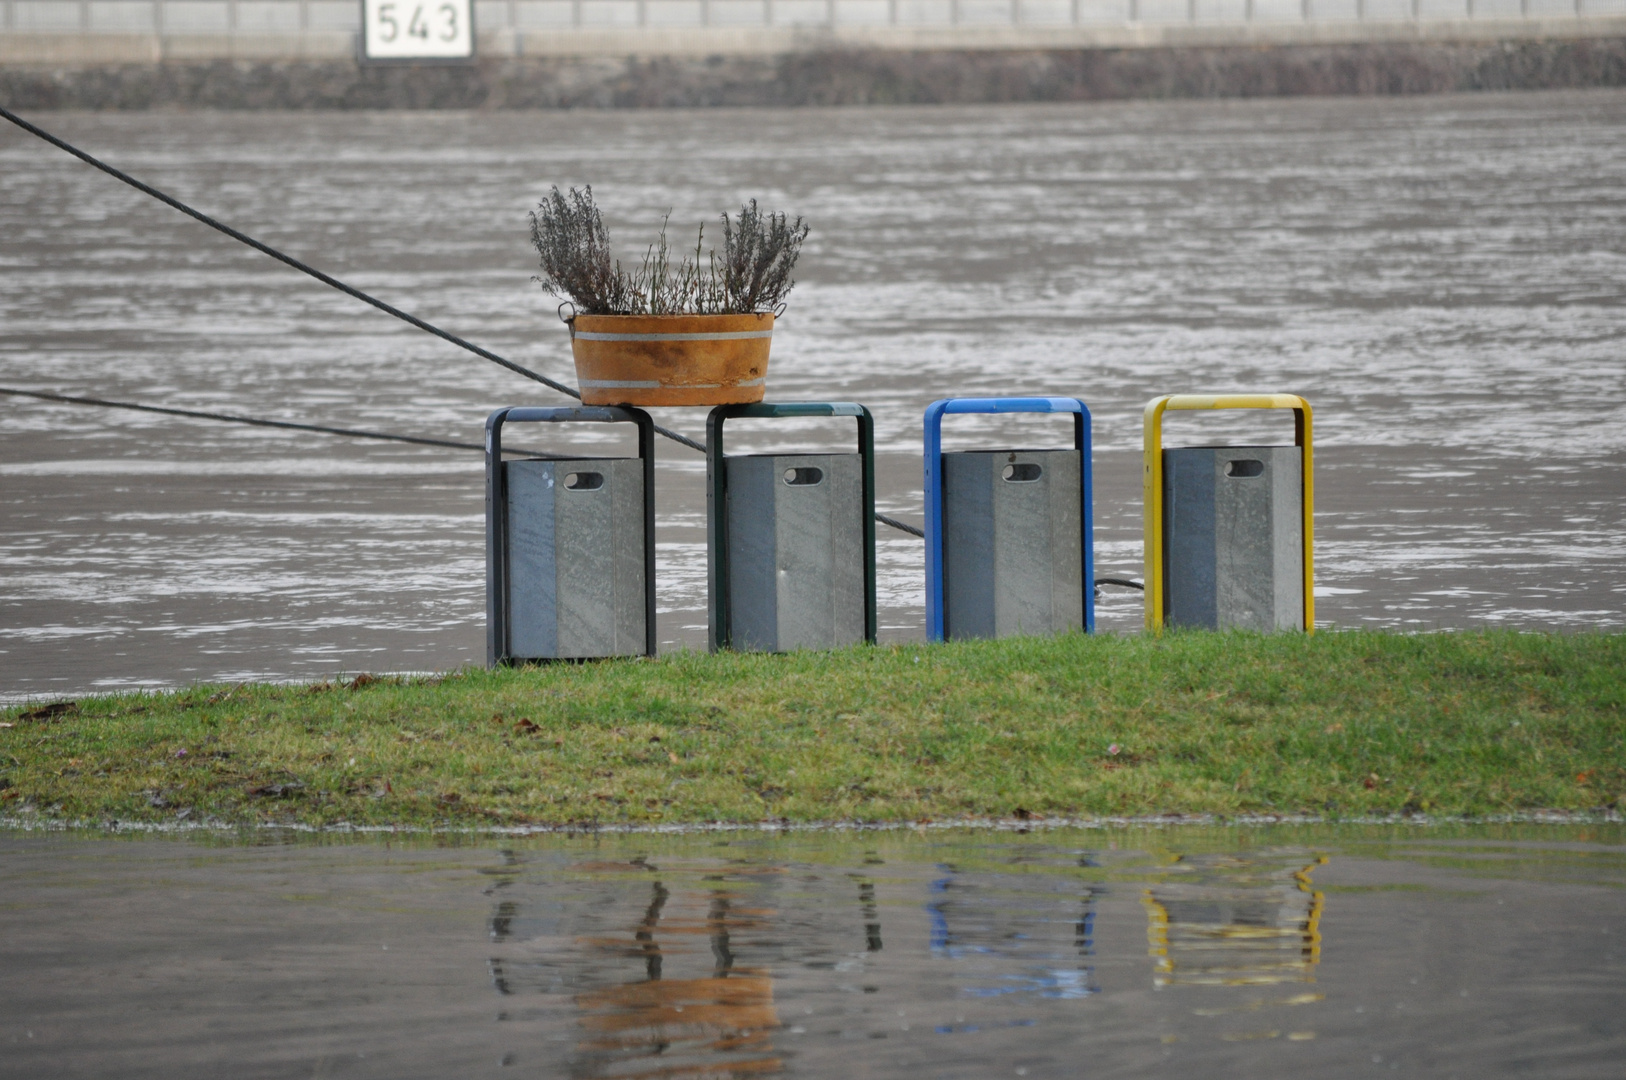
column 1227, row 920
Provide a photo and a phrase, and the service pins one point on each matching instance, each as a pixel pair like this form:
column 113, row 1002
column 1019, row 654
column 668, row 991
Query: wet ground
column 1442, row 277
column 1450, row 951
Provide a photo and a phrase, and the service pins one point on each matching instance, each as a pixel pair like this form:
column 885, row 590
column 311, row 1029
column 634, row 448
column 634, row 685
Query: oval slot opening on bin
column 584, row 481
column 1023, row 473
column 805, row 476
column 1245, row 467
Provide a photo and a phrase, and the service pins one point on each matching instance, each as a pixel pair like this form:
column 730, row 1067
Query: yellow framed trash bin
column 1152, row 488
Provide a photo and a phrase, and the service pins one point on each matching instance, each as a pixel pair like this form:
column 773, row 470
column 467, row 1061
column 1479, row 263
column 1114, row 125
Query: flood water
column 1441, row 277
column 1446, row 951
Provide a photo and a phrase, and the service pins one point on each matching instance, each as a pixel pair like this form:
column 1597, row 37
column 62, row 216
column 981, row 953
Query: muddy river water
column 1441, row 277
column 1333, row 951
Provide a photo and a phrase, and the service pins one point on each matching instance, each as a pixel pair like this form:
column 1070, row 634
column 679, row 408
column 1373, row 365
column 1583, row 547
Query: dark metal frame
column 935, row 613
column 717, row 568
column 497, row 615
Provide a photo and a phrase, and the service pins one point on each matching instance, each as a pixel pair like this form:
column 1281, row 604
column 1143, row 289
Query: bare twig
column 752, row 275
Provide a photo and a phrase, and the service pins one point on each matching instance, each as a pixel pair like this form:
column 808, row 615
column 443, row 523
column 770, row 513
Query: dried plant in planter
column 751, row 275
column 688, row 331
column 570, row 236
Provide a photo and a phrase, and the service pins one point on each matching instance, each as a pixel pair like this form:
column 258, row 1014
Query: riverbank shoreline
column 829, row 77
column 180, row 830
column 1338, row 726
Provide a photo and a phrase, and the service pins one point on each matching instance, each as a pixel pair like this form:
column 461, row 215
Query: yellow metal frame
column 1152, row 486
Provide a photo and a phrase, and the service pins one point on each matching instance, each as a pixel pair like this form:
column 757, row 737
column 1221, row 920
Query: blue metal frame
column 934, row 491
column 497, row 510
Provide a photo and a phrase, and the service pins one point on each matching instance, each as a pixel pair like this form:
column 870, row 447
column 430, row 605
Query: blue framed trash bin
column 1009, row 533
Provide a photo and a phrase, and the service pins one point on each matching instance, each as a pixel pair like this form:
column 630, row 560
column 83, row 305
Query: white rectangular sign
column 417, row 29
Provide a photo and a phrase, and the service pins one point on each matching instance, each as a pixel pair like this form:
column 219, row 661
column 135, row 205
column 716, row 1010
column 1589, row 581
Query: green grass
column 1339, row 724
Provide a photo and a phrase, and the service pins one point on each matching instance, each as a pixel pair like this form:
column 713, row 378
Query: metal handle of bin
column 497, row 507
column 717, row 567
column 934, row 491
column 1152, row 485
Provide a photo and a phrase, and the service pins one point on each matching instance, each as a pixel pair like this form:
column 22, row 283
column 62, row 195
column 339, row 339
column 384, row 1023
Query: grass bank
column 1336, row 724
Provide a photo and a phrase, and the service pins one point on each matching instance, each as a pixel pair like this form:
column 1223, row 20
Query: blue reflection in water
column 986, row 929
column 1060, row 983
column 934, row 908
column 966, row 1029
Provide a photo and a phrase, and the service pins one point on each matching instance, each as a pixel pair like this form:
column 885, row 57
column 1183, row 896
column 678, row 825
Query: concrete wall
column 301, row 54
column 102, row 32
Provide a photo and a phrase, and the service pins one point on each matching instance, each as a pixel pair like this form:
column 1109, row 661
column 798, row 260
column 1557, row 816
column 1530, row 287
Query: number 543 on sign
column 417, row 29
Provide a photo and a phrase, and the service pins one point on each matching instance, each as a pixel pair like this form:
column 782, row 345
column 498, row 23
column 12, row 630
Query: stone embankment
column 835, row 76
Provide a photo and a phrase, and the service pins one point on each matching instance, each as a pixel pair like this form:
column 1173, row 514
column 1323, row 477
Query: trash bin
column 1229, row 528
column 570, row 545
column 1233, row 551
column 791, row 538
column 1009, row 536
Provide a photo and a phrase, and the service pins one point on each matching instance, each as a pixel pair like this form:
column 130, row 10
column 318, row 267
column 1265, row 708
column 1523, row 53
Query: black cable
column 231, row 418
column 896, row 524
column 1125, row 582
column 357, row 433
column 670, row 434
column 306, row 268
column 266, row 249
column 349, row 290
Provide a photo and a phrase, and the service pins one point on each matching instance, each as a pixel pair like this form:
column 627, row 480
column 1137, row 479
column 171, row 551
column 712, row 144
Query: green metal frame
column 717, row 568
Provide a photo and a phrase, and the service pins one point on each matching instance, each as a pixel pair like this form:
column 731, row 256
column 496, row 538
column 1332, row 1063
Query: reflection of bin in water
column 714, row 1019
column 659, row 1023
column 1008, row 532
column 1228, row 921
column 1012, row 938
column 570, row 555
column 656, row 981
column 792, row 538
column 1229, row 530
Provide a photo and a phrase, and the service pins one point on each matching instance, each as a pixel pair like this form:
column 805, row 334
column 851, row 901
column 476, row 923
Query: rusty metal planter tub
column 671, row 359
